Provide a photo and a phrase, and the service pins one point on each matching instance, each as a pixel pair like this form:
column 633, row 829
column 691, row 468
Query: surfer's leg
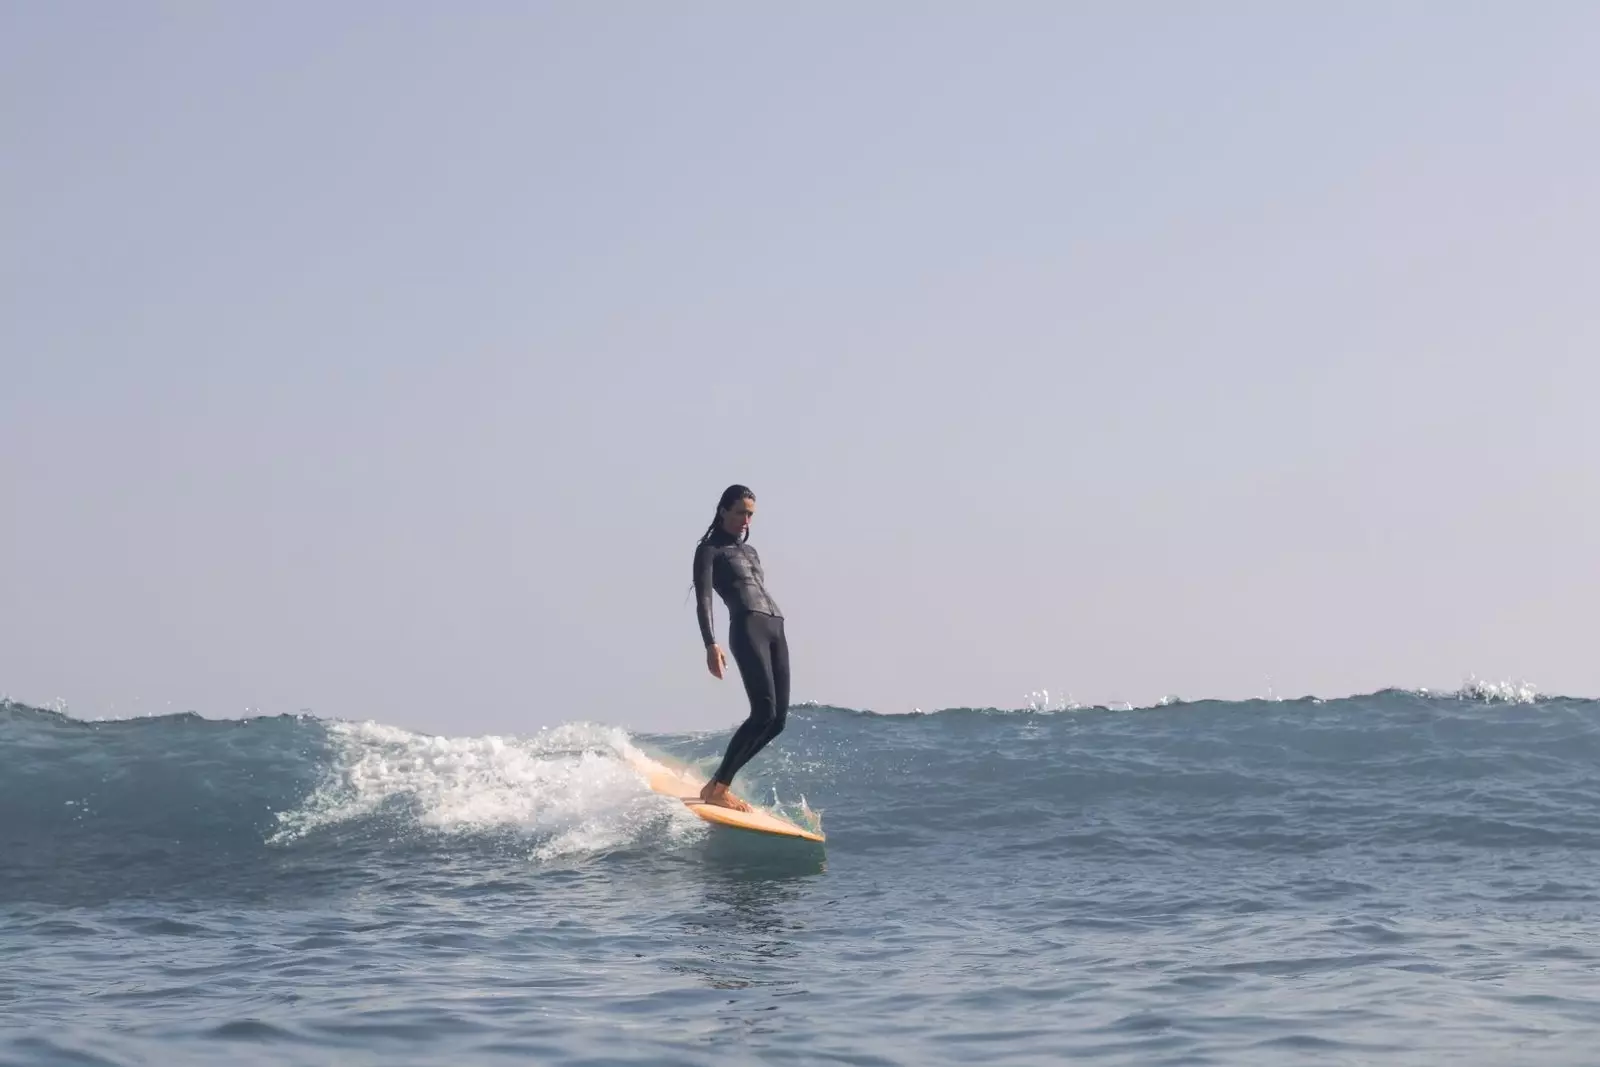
column 780, row 678
column 777, row 650
column 767, row 684
column 752, row 651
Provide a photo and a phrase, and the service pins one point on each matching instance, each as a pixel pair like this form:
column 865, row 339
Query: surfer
column 725, row 562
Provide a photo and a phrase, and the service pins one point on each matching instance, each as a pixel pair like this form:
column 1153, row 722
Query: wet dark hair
column 730, row 496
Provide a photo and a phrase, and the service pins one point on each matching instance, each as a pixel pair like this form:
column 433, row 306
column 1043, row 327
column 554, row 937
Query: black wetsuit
column 732, row 569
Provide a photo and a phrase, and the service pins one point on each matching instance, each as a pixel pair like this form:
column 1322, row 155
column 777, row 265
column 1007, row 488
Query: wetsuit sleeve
column 702, row 592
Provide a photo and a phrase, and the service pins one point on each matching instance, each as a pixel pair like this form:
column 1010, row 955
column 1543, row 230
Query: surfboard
column 685, row 785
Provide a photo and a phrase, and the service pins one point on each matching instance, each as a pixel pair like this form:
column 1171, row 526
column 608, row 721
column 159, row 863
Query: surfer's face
column 736, row 520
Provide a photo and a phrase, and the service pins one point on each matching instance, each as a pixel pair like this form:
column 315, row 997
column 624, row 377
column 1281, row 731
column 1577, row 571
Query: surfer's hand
column 715, row 662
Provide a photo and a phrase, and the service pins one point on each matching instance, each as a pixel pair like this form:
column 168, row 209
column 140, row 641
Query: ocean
column 1397, row 878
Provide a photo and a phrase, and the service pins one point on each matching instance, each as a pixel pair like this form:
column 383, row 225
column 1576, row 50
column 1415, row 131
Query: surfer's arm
column 702, row 593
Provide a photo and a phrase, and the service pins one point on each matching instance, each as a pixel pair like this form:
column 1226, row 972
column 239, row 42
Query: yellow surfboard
column 685, row 785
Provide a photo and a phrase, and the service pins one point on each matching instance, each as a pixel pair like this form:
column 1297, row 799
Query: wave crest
column 567, row 787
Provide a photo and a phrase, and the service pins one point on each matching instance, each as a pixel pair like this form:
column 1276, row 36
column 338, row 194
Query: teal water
column 1392, row 878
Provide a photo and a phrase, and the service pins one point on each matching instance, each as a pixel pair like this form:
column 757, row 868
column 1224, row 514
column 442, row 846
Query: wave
column 179, row 803
column 170, row 803
column 1040, row 701
column 1472, row 688
column 568, row 787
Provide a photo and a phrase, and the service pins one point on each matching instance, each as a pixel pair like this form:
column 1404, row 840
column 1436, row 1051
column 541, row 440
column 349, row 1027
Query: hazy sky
column 388, row 360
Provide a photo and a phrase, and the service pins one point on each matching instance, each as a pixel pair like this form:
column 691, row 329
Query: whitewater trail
column 567, row 787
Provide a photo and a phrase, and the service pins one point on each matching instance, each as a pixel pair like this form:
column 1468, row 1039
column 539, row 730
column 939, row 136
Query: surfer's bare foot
column 717, row 793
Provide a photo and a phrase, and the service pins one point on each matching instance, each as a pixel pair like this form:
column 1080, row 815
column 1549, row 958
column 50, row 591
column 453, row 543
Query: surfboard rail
column 685, row 785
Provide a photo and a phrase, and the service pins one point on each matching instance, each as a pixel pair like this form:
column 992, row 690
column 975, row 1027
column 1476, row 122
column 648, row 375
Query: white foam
column 1504, row 692
column 1039, row 700
column 567, row 787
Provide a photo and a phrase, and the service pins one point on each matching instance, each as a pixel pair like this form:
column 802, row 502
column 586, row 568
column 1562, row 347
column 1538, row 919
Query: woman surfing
column 725, row 562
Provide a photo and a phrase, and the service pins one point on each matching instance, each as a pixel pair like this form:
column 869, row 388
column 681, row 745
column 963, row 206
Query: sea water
column 1401, row 877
